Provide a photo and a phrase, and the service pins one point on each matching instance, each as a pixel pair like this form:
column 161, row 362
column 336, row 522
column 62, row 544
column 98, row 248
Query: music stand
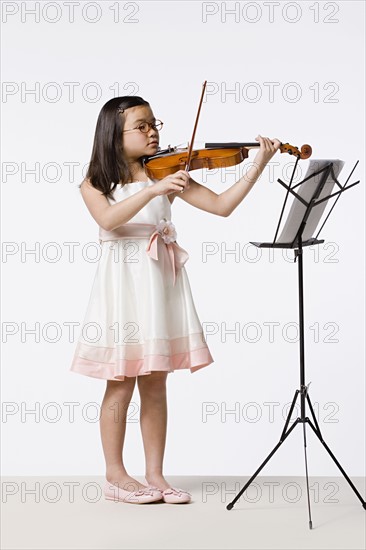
column 305, row 213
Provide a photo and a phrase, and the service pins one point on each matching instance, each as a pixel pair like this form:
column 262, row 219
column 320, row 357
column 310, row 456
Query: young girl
column 141, row 322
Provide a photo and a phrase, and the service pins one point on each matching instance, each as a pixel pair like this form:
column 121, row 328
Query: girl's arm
column 223, row 204
column 109, row 216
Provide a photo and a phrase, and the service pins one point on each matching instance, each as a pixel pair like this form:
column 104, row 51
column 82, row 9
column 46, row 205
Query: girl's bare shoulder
column 87, row 184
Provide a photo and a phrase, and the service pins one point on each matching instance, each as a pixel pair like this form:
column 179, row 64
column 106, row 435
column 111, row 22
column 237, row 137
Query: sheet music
column 306, row 190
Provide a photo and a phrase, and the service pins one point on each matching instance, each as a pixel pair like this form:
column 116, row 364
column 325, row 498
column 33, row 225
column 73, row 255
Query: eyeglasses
column 144, row 127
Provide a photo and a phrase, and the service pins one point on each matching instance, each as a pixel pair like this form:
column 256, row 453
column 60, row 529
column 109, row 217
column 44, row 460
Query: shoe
column 142, row 496
column 173, row 495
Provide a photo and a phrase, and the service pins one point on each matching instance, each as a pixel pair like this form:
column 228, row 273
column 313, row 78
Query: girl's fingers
column 271, row 143
column 180, row 183
column 266, row 144
column 179, row 180
column 262, row 142
column 182, row 176
column 183, row 173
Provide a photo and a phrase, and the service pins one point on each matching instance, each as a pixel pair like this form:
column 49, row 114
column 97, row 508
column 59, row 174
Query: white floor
column 42, row 513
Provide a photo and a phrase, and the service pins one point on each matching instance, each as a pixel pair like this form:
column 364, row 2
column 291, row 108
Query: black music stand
column 302, row 221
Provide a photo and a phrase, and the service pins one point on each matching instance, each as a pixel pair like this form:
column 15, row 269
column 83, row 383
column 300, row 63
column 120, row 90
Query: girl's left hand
column 268, row 148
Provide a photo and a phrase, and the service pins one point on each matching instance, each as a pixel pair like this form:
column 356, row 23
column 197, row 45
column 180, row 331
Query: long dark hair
column 108, row 166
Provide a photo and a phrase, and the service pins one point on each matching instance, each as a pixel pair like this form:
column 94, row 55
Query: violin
column 214, row 155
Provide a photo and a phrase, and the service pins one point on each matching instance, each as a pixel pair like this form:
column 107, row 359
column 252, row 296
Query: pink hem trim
column 193, row 360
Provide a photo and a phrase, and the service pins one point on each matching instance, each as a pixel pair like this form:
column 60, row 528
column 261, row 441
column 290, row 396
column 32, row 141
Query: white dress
column 141, row 316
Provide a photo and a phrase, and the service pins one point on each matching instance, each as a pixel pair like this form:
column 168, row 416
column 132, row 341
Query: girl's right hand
column 177, row 182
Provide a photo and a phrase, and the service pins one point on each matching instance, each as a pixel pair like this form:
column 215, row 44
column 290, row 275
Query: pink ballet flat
column 142, row 496
column 173, row 495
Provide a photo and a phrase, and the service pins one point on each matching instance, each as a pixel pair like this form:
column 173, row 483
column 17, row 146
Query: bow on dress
column 177, row 255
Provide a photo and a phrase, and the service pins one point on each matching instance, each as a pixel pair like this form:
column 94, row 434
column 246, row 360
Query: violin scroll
column 304, row 153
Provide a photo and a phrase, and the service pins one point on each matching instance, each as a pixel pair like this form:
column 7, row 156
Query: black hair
column 108, row 166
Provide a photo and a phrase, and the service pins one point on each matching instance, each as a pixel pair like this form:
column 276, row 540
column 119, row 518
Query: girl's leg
column 113, row 428
column 153, row 421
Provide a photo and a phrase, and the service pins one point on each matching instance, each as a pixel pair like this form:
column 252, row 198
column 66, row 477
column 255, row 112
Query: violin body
column 215, row 155
column 161, row 165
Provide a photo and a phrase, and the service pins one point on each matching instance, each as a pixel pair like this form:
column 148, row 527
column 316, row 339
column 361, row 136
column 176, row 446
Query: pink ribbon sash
column 177, row 255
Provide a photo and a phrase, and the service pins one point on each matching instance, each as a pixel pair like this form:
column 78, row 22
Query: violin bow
column 304, row 153
column 190, row 149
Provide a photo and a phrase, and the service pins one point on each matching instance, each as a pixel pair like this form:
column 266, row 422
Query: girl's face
column 136, row 143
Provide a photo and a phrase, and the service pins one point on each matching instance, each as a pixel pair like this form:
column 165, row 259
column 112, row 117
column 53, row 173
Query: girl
column 141, row 322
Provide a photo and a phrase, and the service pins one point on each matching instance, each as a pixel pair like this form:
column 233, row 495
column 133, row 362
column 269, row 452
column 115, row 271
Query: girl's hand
column 179, row 181
column 267, row 149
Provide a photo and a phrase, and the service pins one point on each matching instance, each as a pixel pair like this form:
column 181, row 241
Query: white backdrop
column 282, row 69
